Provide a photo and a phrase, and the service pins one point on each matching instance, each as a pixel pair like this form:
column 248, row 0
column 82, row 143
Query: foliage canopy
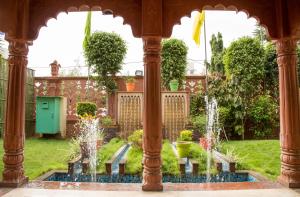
column 174, row 61
column 105, row 53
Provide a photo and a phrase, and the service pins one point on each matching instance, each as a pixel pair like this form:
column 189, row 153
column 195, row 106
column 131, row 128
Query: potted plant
column 184, row 143
column 174, row 84
column 130, row 83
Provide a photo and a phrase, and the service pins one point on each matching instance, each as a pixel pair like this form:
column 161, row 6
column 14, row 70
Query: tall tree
column 244, row 67
column 217, row 50
column 260, row 34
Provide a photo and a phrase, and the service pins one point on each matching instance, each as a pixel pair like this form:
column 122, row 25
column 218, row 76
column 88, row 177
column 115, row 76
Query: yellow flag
column 198, row 23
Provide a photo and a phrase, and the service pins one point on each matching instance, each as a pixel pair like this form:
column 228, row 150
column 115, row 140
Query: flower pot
column 130, row 87
column 183, row 148
column 174, row 85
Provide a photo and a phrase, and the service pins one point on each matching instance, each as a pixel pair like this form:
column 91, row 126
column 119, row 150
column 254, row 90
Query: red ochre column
column 289, row 113
column 152, row 140
column 14, row 133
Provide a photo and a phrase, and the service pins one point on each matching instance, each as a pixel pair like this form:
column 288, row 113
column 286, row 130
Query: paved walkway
column 28, row 192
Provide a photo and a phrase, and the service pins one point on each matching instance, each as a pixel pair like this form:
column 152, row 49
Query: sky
column 62, row 39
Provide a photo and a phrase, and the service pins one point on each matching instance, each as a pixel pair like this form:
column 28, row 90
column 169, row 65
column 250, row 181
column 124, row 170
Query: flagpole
column 205, row 59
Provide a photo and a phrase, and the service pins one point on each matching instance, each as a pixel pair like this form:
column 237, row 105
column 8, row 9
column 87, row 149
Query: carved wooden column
column 14, row 134
column 289, row 113
column 152, row 140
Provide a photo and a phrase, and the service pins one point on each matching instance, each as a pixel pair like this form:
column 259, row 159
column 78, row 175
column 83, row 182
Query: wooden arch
column 29, row 16
column 274, row 15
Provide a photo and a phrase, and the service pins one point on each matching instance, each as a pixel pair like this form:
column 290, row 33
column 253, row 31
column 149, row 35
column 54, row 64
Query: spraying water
column 89, row 134
column 212, row 131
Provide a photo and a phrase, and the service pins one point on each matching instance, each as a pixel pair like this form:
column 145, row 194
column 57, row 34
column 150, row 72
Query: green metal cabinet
column 50, row 114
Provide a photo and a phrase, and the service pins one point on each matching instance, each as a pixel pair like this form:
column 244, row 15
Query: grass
column 134, row 160
column 107, row 151
column 262, row 156
column 199, row 154
column 169, row 160
column 42, row 155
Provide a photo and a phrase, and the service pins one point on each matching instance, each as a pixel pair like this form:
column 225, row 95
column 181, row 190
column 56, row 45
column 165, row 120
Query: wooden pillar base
column 152, row 174
column 290, row 168
column 14, row 184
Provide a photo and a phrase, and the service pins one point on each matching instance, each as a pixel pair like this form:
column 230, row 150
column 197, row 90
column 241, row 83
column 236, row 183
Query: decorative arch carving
column 264, row 11
column 41, row 11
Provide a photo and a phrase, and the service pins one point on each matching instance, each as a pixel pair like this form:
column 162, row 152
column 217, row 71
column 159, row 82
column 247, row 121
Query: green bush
column 224, row 114
column 263, row 114
column 197, row 104
column 183, row 148
column 186, row 135
column 136, row 138
column 174, row 61
column 199, row 122
column 106, row 121
column 87, row 108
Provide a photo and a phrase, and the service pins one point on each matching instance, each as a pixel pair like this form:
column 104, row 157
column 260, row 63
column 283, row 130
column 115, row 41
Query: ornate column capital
column 152, row 44
column 18, row 47
column 286, row 47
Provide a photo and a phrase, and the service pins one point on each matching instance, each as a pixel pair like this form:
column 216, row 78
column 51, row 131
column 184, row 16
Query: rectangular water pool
column 101, row 178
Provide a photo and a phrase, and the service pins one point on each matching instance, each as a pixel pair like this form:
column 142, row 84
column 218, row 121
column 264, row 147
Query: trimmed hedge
column 86, row 108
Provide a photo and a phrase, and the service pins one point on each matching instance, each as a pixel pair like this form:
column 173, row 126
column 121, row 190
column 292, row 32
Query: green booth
column 51, row 115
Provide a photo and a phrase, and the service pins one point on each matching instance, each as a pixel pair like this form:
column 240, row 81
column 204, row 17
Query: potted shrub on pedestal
column 184, row 143
column 130, row 84
column 174, row 62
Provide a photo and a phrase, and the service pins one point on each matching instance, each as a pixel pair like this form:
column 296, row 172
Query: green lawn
column 134, row 160
column 169, row 160
column 42, row 155
column 106, row 152
column 262, row 156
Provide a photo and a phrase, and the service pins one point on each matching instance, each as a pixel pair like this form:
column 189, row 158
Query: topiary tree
column 244, row 67
column 105, row 53
column 174, row 61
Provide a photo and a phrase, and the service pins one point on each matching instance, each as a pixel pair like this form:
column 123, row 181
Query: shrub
column 224, row 113
column 86, row 108
column 197, row 104
column 183, row 149
column 263, row 113
column 136, row 138
column 106, row 121
column 174, row 61
column 186, row 135
column 199, row 122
